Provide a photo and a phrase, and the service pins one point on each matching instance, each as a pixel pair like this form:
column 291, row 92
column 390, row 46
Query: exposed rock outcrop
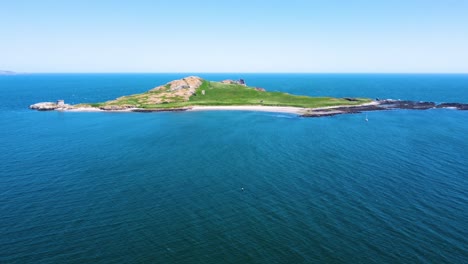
column 191, row 83
column 239, row 82
column 381, row 105
column 48, row 106
column 229, row 82
column 397, row 104
column 453, row 105
column 175, row 90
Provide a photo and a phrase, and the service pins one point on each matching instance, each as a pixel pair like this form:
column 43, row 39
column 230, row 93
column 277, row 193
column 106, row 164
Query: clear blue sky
column 234, row 36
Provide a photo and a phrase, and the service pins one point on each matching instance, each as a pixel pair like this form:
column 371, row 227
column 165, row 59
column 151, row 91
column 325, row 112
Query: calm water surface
column 167, row 187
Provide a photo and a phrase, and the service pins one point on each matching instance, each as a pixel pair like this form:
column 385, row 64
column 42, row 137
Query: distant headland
column 194, row 93
column 2, row 72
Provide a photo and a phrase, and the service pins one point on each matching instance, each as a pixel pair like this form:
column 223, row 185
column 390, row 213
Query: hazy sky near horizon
column 234, row 36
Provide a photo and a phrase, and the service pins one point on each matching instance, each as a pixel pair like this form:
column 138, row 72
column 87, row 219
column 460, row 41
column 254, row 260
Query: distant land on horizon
column 3, row 72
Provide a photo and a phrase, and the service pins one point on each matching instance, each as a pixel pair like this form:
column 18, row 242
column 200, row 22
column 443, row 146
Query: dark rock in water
column 359, row 108
column 453, row 105
column 397, row 104
column 381, row 105
column 318, row 113
column 342, row 110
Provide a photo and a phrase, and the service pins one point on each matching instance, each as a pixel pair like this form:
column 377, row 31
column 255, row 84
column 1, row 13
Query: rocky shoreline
column 381, row 105
column 378, row 105
column 60, row 106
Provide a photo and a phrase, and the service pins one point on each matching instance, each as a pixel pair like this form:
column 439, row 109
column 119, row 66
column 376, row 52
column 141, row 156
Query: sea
column 233, row 186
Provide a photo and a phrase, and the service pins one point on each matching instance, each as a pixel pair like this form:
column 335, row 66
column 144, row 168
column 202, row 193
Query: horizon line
column 194, row 72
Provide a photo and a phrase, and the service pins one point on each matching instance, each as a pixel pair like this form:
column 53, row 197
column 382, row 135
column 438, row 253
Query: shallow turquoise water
column 167, row 187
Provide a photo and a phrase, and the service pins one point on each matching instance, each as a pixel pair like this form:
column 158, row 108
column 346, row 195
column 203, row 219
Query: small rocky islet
column 190, row 92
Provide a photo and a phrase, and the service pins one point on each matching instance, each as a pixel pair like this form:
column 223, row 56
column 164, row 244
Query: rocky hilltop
column 176, row 91
column 172, row 92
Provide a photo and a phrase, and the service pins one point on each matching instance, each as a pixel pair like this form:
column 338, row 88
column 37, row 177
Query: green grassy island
column 191, row 92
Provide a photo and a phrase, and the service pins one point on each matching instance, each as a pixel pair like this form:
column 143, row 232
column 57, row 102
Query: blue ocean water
column 233, row 187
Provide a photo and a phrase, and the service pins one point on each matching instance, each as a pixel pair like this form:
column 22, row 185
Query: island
column 195, row 94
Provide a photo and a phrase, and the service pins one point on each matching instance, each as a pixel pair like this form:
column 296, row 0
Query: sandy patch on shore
column 262, row 108
column 275, row 109
column 341, row 106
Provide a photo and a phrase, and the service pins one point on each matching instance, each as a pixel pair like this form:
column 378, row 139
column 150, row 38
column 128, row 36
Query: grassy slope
column 231, row 94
